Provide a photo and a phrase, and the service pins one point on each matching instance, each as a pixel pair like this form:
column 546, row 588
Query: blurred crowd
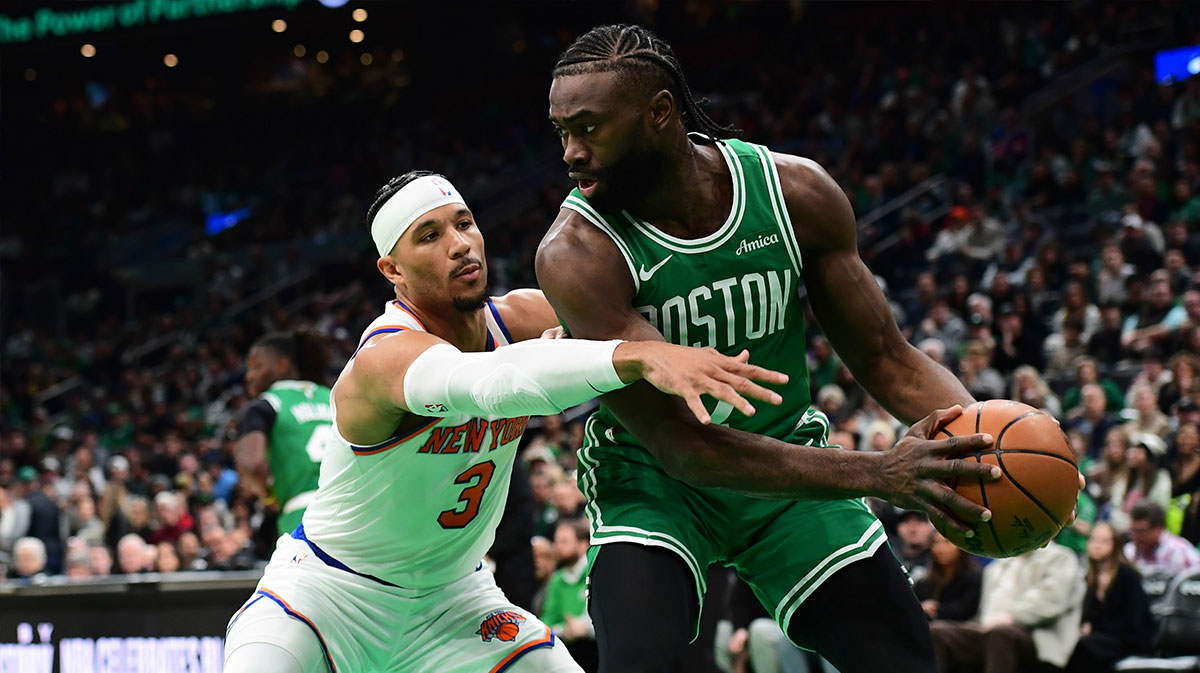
column 1052, row 256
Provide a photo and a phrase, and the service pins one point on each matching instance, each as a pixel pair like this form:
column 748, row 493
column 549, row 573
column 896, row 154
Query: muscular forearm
column 910, row 385
column 713, row 456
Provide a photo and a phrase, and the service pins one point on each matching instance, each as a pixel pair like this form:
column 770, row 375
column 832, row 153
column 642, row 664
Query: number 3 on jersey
column 472, row 495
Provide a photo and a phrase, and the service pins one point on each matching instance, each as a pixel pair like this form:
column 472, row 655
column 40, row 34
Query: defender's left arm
column 849, row 305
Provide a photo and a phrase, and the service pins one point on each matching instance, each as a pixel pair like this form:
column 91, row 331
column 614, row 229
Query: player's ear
column 390, row 270
column 662, row 104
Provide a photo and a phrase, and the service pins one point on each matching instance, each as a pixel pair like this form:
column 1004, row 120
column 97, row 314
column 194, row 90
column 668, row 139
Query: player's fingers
column 939, row 515
column 1082, row 482
column 751, row 389
column 758, row 373
column 957, row 467
column 726, row 393
column 946, row 415
column 744, row 356
column 935, row 420
column 952, row 501
column 963, row 444
column 697, row 407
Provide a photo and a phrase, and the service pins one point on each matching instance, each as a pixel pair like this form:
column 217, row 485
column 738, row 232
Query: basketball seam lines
column 983, row 491
column 1000, row 462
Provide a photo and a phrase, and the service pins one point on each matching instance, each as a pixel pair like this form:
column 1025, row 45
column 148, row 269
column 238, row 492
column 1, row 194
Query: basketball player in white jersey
column 385, row 572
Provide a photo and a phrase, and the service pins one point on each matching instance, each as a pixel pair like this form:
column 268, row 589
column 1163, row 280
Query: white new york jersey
column 420, row 509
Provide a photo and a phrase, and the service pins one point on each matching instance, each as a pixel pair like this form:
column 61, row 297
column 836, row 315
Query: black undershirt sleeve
column 257, row 416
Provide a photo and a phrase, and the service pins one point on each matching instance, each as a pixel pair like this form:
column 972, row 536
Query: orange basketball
column 1035, row 495
column 508, row 631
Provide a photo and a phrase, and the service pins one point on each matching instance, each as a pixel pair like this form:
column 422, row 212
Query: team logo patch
column 502, row 625
column 436, row 408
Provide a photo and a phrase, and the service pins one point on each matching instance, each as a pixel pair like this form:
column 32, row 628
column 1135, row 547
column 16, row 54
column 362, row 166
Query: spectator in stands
column 138, row 516
column 544, row 564
column 81, row 518
column 1105, row 344
column 543, row 483
column 1152, row 547
column 173, row 518
column 1087, row 371
column 1076, row 307
column 79, row 564
column 166, row 560
column 1158, row 319
column 29, row 560
column 1029, row 611
column 1147, row 418
column 1062, row 349
column 565, row 607
column 1017, row 341
column 568, row 500
column 912, row 548
column 950, row 591
column 100, row 560
column 1102, row 474
column 1185, row 482
column 1184, row 382
column 942, row 324
column 132, row 554
column 1116, row 612
column 1140, row 479
column 1110, row 279
column 981, row 380
column 189, row 552
column 1029, row 387
column 44, row 517
column 14, row 520
column 1090, row 417
column 823, row 363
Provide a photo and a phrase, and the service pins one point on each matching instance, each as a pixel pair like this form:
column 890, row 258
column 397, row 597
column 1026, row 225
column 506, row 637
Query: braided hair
column 305, row 349
column 394, row 185
column 641, row 56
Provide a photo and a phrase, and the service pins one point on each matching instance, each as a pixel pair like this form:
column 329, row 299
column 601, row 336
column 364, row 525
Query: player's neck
column 692, row 195
column 466, row 330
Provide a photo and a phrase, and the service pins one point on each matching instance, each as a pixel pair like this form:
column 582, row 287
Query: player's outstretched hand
column 915, row 471
column 692, row 372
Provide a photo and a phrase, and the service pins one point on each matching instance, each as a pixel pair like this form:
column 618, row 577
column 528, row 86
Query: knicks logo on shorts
column 501, row 624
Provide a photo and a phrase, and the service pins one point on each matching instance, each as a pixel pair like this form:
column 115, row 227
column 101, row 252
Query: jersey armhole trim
column 782, row 217
column 500, row 322
column 387, row 329
column 592, row 216
column 394, row 441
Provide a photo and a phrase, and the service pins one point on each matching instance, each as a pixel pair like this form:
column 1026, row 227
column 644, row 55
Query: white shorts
column 362, row 625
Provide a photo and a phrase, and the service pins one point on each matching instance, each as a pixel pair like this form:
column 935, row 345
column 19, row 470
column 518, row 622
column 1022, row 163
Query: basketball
column 1036, row 492
column 508, row 631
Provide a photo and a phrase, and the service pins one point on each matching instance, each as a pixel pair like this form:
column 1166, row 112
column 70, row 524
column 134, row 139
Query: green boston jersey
column 298, row 439
column 735, row 289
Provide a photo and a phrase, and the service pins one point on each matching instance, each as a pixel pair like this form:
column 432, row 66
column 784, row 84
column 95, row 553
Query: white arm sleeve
column 532, row 378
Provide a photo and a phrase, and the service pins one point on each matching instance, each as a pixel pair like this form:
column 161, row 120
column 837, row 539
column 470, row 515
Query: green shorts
column 783, row 549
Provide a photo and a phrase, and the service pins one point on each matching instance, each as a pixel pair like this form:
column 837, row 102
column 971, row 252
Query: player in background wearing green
column 705, row 241
column 286, row 428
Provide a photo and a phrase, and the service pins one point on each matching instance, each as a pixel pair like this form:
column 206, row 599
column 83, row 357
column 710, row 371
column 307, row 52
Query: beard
column 628, row 179
column 470, row 303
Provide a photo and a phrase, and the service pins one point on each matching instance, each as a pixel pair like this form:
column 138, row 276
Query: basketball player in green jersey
column 705, row 242
column 285, row 429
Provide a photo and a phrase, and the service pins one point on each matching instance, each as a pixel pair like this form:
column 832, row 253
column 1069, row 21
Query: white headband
column 407, row 205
